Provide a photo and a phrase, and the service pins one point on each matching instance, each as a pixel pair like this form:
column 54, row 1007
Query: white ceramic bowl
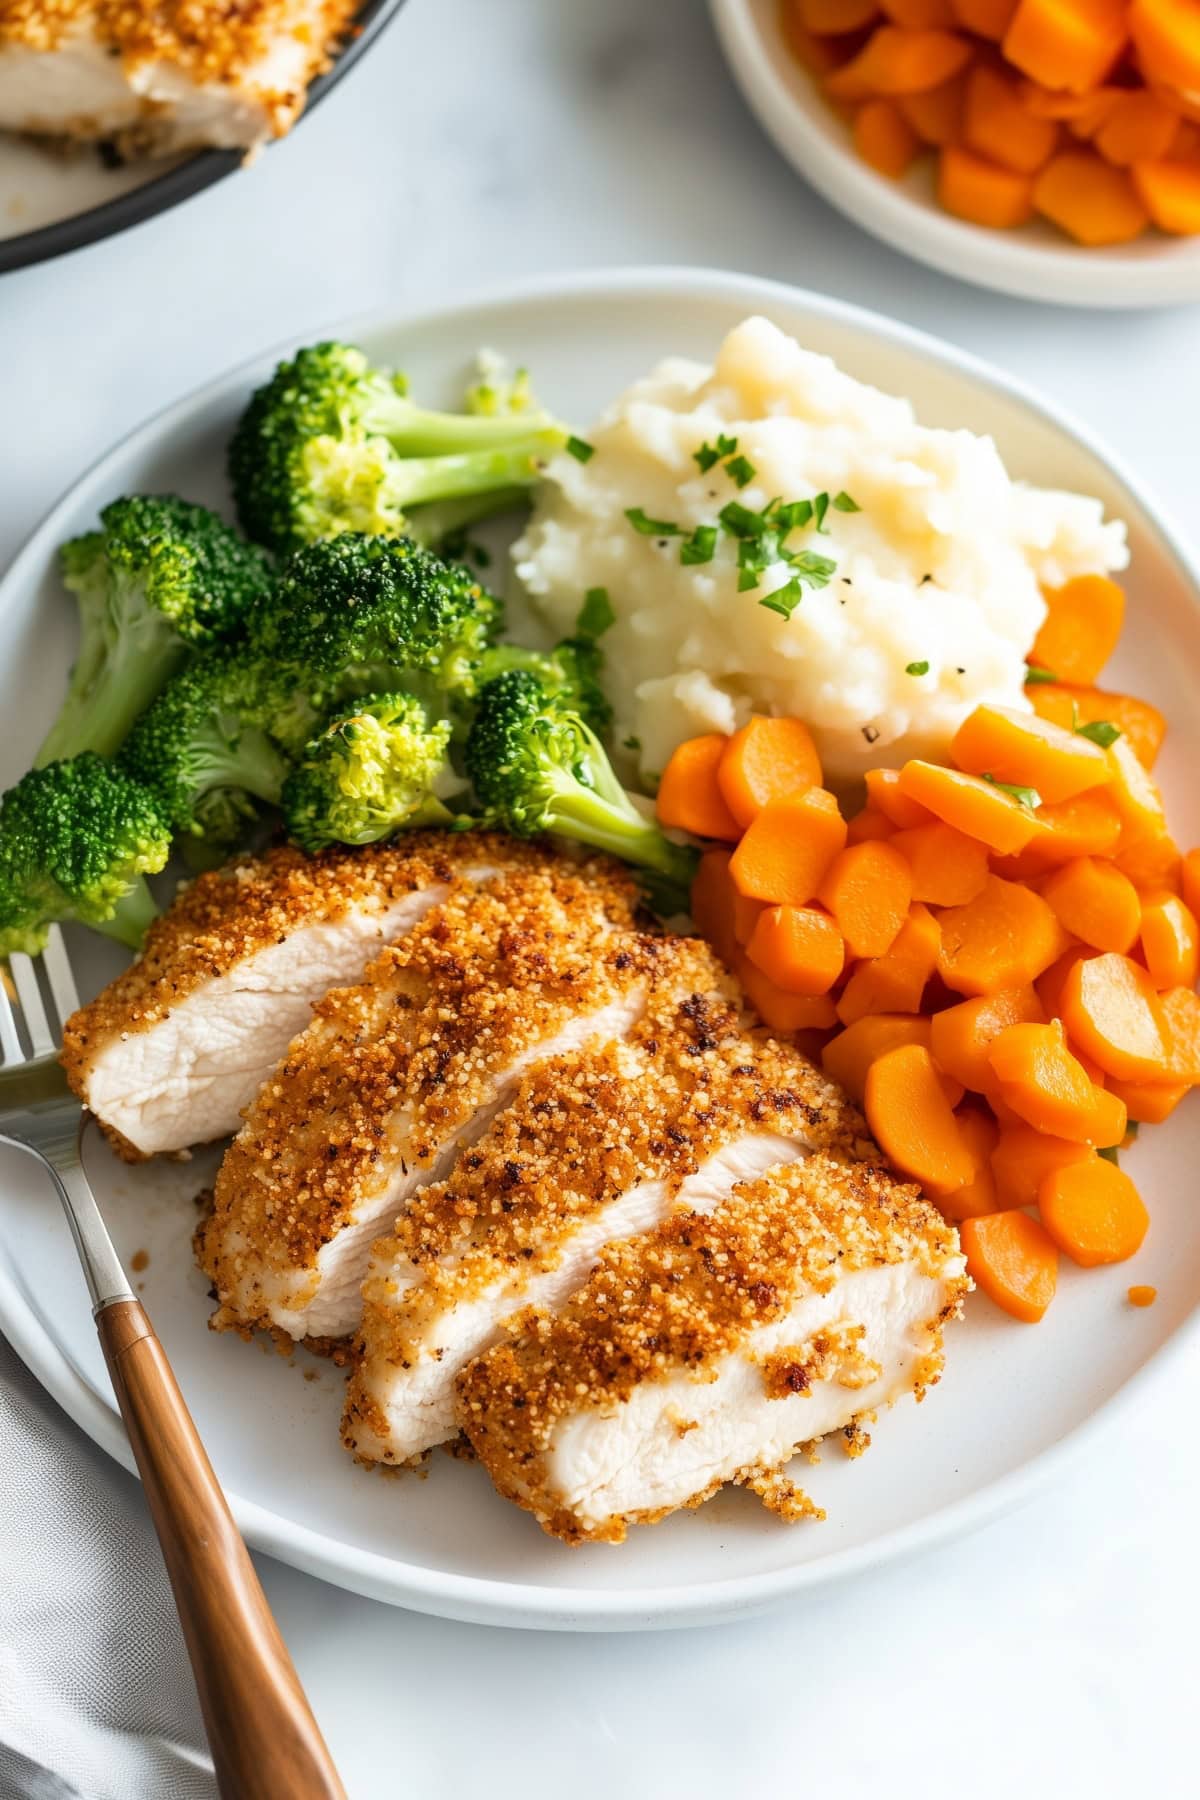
column 1034, row 261
column 1015, row 1400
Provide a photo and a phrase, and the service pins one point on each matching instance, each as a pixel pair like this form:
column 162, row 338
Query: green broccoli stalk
column 536, row 766
column 77, row 840
column 204, row 748
column 159, row 578
column 380, row 769
column 330, row 444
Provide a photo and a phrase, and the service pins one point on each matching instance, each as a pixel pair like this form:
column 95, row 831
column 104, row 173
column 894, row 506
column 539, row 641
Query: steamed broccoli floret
column 570, row 672
column 355, row 615
column 204, row 749
column 380, row 769
column 330, row 444
column 161, row 576
column 536, row 766
column 77, row 840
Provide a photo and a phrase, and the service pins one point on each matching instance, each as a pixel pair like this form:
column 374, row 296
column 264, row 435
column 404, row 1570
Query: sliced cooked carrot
column 1139, row 127
column 1068, row 44
column 832, row 18
column 1012, row 1259
column 986, row 18
column 745, row 915
column 1148, row 1102
column 1166, row 34
column 1135, row 795
column 768, row 759
column 1093, row 1212
column 1028, row 751
column 1096, row 903
column 884, row 138
column 979, row 1133
column 780, row 1011
column 1003, row 938
column 1190, row 880
column 820, row 55
column 884, row 795
column 713, row 895
column 912, row 1120
column 1140, row 723
column 896, row 981
column 1180, row 1008
column 948, row 868
column 1170, row 192
column 1049, row 1088
column 1151, row 862
column 1089, row 825
column 1091, row 201
column 1110, row 1009
column 1024, row 1156
column 973, row 806
column 1050, row 984
column 798, row 948
column 1142, row 1295
column 1081, row 628
column 959, row 1037
column 895, row 61
column 868, row 889
column 921, row 15
column 997, row 125
column 983, row 193
column 868, row 826
column 1170, row 941
column 688, row 796
column 785, row 854
column 936, row 115
column 847, row 1057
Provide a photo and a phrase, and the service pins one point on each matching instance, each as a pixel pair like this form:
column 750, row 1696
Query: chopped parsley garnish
column 785, row 599
column 740, row 471
column 699, row 548
column 652, row 527
column 708, row 454
column 1035, row 675
column 820, row 508
column 1097, row 731
column 741, row 520
column 580, row 449
column 1109, row 1153
column 843, row 503
column 596, row 614
column 917, row 668
column 1027, row 797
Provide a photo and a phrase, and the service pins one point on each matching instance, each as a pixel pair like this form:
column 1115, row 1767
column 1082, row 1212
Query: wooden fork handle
column 265, row 1742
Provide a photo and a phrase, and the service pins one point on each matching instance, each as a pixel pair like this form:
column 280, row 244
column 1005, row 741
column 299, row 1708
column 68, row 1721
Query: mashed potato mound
column 942, row 564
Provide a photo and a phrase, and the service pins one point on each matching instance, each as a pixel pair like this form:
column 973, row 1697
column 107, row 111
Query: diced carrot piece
column 1139, row 128
column 1166, row 34
column 1049, row 985
column 1170, row 192
column 896, row 981
column 1096, row 903
column 979, row 1133
column 1139, row 722
column 1081, row 628
column 768, row 759
column 785, row 854
column 1180, row 1008
column 1190, row 880
column 1149, row 1102
column 1185, row 145
column 1013, row 1260
column 982, row 192
column 798, row 948
column 1093, row 1212
column 778, row 1010
column 986, row 18
column 819, row 55
column 868, row 889
column 978, row 808
column 1049, row 1088
column 1110, row 1009
column 1003, row 938
column 959, row 1037
column 884, row 795
column 1170, row 941
column 913, row 1122
column 1024, row 1156
column 884, row 138
column 1136, row 795
column 1066, row 43
column 1056, row 103
column 713, row 895
column 1151, row 862
column 895, row 61
column 948, row 868
column 847, row 1057
column 1089, row 825
column 833, row 18
column 1028, row 751
column 746, row 914
column 689, row 798
column 1092, row 202
column 921, row 15
column 996, row 124
column 868, row 826
column 936, row 115
column 1142, row 1295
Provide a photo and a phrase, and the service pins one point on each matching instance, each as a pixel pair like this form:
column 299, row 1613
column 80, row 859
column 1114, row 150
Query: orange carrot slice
column 1068, row 44
column 1149, row 1103
column 1081, row 628
column 1013, row 1260
column 1166, row 34
column 884, row 138
column 832, row 18
column 979, row 1133
column 1140, row 723
column 768, row 759
column 1095, row 902
column 1180, row 1008
column 689, row 798
column 960, row 1036
column 1024, row 1156
column 1049, row 1088
column 884, row 795
column 1190, row 881
column 868, row 889
column 1111, row 1010
column 895, row 61
column 1093, row 1212
column 912, row 1120
column 1170, row 192
column 781, row 1011
column 1136, row 796
column 973, row 806
column 948, row 868
column 997, row 125
column 713, row 896
column 798, row 948
column 895, row 981
column 1028, row 751
column 982, row 192
column 785, row 854
column 869, row 825
column 1003, row 938
column 1170, row 941
column 848, row 1057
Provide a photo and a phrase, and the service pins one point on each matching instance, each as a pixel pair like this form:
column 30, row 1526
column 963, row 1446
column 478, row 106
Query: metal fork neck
column 57, row 1141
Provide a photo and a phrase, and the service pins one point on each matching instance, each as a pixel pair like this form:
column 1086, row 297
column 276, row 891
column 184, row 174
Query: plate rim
column 999, row 261
column 480, row 1599
column 201, row 170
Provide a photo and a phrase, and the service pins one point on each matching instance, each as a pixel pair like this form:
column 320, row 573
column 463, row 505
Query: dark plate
column 183, row 179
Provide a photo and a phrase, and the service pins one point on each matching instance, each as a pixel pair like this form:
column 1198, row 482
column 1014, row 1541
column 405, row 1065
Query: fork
column 265, row 1743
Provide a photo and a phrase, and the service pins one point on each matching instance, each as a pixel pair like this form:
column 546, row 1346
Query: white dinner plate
column 1014, row 1398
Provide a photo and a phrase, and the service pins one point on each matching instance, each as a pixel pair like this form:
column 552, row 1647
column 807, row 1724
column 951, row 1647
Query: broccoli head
column 77, row 840
column 331, row 444
column 372, row 772
column 159, row 578
column 536, row 766
column 570, row 672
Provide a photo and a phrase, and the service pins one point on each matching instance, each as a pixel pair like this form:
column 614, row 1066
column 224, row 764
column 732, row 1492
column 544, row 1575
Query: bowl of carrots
column 995, row 955
column 1045, row 148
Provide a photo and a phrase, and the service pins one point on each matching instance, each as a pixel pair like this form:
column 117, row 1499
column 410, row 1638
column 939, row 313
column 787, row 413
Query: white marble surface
column 1053, row 1652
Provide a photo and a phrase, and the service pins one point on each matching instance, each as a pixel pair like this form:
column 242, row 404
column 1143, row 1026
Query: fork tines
column 34, row 1026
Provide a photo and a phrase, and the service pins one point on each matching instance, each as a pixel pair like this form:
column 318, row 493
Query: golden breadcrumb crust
column 681, row 1298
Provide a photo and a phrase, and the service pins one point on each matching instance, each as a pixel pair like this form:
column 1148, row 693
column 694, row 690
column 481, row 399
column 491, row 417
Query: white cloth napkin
column 96, row 1696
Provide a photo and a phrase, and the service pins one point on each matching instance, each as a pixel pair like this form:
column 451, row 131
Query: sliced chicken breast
column 174, row 1049
column 393, row 1077
column 712, row 1348
column 599, row 1145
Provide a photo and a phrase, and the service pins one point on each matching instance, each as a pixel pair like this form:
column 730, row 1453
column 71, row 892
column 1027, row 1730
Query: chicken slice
column 710, row 1349
column 174, row 1049
column 597, row 1146
column 394, row 1076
